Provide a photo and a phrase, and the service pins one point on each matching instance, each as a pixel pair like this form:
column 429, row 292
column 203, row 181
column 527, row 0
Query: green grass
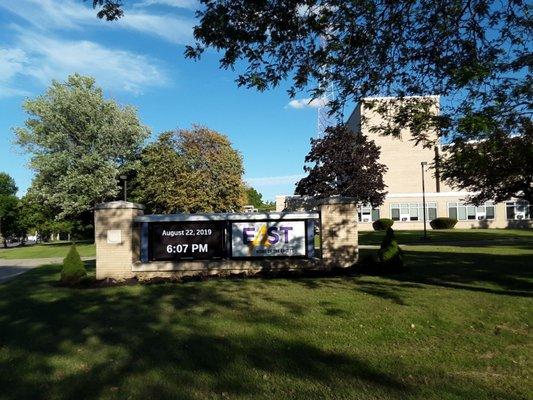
column 456, row 326
column 451, row 235
column 48, row 250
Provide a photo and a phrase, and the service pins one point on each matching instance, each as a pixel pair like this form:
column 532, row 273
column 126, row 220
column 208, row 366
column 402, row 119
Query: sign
column 114, row 236
column 200, row 240
column 268, row 239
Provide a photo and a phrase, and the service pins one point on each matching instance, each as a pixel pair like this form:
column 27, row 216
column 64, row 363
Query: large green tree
column 194, row 170
column 9, row 207
column 254, row 198
column 79, row 143
column 8, row 186
column 474, row 53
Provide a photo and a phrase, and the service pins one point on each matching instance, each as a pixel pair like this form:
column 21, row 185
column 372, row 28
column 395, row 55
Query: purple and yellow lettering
column 273, row 236
column 247, row 237
column 285, row 230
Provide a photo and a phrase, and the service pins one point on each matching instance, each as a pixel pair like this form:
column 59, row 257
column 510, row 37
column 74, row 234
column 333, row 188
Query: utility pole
column 125, row 179
column 423, row 164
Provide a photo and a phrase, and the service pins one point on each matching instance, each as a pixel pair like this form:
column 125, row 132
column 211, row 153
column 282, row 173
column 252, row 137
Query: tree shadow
column 93, row 343
column 181, row 341
column 508, row 275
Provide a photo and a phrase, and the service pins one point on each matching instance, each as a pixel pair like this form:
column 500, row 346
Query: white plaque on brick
column 114, row 236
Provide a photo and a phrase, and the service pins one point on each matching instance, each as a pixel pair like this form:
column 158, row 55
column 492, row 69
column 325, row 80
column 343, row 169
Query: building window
column 413, row 211
column 517, row 210
column 367, row 213
column 465, row 212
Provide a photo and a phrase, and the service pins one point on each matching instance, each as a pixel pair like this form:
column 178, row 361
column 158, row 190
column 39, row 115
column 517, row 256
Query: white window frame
column 365, row 210
column 521, row 214
column 480, row 212
column 406, row 216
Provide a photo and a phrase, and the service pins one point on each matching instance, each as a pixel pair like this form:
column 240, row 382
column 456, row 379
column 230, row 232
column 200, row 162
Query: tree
column 34, row 217
column 79, row 144
column 9, row 216
column 73, row 270
column 254, row 198
column 8, row 186
column 344, row 163
column 193, row 170
column 9, row 207
column 471, row 164
column 475, row 53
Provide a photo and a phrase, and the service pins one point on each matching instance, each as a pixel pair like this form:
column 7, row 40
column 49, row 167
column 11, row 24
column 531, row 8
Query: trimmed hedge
column 73, row 269
column 390, row 255
column 443, row 223
column 382, row 224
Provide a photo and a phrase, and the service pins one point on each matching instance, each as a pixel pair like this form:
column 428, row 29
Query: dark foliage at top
column 497, row 167
column 344, row 163
column 109, row 9
column 477, row 53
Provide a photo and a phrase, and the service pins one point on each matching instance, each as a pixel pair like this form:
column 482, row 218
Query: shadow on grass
column 201, row 340
column 156, row 341
column 454, row 237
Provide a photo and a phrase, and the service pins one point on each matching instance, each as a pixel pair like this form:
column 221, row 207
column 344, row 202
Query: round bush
column 382, row 224
column 443, row 223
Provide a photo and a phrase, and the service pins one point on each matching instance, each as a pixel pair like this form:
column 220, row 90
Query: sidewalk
column 9, row 269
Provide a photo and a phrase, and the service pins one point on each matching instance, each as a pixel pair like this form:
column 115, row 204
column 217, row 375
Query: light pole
column 423, row 164
column 124, row 178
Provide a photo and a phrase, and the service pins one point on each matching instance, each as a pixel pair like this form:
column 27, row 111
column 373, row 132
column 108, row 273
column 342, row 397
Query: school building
column 405, row 162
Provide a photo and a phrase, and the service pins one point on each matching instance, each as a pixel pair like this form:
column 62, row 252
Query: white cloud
column 274, row 180
column 75, row 15
column 12, row 61
column 306, row 103
column 49, row 14
column 113, row 69
column 46, row 58
column 174, row 29
column 188, row 4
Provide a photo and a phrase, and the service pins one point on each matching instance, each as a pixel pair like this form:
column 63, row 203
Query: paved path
column 12, row 268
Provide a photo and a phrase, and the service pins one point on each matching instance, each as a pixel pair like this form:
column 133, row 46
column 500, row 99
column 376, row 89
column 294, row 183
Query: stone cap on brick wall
column 227, row 216
column 118, row 204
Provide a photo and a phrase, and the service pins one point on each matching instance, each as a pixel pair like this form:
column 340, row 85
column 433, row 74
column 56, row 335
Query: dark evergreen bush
column 443, row 223
column 390, row 255
column 382, row 224
column 73, row 269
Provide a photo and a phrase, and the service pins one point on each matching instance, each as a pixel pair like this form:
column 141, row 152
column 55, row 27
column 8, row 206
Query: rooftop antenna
column 329, row 94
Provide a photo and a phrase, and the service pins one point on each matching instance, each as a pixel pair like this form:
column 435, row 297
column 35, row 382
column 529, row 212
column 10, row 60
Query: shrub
column 443, row 223
column 73, row 269
column 390, row 255
column 382, row 224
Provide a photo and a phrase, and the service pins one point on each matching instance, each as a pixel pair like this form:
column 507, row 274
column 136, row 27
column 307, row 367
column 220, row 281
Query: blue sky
column 139, row 61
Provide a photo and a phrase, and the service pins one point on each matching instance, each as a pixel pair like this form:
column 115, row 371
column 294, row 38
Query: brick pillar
column 338, row 230
column 117, row 242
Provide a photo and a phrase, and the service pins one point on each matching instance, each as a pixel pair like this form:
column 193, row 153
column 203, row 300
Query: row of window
column 462, row 212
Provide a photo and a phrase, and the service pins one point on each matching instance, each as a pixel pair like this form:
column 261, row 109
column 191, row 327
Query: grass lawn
column 457, row 326
column 46, row 250
column 451, row 235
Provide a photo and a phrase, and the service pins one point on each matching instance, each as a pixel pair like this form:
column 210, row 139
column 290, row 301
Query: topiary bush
column 390, row 255
column 73, row 269
column 443, row 223
column 382, row 224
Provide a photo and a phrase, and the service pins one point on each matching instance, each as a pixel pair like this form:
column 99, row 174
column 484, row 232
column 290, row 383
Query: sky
column 139, row 61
